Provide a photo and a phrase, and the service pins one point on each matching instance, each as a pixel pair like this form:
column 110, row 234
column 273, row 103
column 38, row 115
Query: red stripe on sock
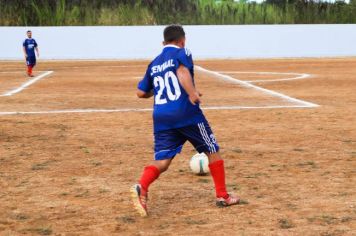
column 150, row 174
column 217, row 171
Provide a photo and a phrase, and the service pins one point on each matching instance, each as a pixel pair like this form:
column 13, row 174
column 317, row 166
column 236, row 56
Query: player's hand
column 195, row 98
column 38, row 55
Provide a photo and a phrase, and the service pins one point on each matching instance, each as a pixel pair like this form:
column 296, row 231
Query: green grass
column 162, row 12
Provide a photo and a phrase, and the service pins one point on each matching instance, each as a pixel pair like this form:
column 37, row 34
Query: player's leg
column 152, row 172
column 203, row 139
column 31, row 62
column 217, row 170
column 139, row 192
column 167, row 145
column 28, row 66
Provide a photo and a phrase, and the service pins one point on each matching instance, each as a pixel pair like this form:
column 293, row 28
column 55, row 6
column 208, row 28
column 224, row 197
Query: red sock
column 218, row 173
column 28, row 69
column 150, row 174
column 31, row 70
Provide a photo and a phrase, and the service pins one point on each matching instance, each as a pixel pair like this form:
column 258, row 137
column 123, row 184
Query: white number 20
column 158, row 81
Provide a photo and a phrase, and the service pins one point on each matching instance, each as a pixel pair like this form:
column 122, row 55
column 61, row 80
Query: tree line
column 162, row 12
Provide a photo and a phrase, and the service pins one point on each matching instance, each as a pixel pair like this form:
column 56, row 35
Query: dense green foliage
column 161, row 12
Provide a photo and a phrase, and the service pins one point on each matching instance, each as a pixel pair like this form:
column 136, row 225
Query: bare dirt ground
column 70, row 174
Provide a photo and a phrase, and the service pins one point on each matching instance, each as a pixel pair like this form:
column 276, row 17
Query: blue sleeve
column 35, row 44
column 24, row 43
column 185, row 58
column 145, row 84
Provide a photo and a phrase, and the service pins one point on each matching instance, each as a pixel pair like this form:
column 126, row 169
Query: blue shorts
column 31, row 61
column 169, row 143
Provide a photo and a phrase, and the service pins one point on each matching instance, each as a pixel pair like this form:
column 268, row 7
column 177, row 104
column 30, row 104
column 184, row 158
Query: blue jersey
column 30, row 44
column 172, row 108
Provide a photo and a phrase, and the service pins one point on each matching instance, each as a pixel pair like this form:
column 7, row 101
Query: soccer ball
column 199, row 164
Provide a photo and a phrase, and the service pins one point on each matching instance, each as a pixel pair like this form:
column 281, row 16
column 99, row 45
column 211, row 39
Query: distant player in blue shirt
column 177, row 118
column 29, row 47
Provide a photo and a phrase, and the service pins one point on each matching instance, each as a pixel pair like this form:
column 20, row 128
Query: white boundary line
column 26, row 84
column 298, row 76
column 10, row 72
column 249, row 85
column 138, row 110
column 299, row 103
column 18, row 72
column 99, row 66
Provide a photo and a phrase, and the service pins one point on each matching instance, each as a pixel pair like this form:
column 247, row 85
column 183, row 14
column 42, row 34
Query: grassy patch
column 22, row 183
column 195, row 221
column 192, row 12
column 328, row 219
column 292, row 206
column 307, row 164
column 323, row 219
column 104, row 190
column 236, row 150
column 126, row 219
column 40, row 230
column 41, row 166
column 21, row 217
column 96, row 163
column 253, row 176
column 285, row 224
column 243, row 202
column 233, row 186
column 346, row 219
column 347, row 141
column 203, row 181
column 84, row 149
column 83, row 194
column 298, row 149
column 72, row 181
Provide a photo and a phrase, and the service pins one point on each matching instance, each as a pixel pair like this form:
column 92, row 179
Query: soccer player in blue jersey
column 177, row 118
column 29, row 47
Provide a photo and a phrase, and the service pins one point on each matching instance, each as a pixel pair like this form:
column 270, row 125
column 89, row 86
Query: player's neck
column 174, row 44
column 171, row 45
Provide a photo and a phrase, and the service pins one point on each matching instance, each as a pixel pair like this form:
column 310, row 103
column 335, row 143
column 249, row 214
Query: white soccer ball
column 199, row 164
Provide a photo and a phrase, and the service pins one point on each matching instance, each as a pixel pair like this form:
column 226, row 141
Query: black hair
column 28, row 31
column 173, row 33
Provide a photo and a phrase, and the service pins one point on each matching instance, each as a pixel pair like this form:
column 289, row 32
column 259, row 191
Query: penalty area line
column 140, row 110
column 26, row 84
column 250, row 85
column 298, row 76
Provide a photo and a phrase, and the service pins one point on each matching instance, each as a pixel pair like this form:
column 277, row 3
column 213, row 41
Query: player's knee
column 213, row 156
column 164, row 168
column 162, row 165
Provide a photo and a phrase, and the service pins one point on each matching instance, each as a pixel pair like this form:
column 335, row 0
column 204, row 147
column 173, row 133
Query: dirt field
column 69, row 173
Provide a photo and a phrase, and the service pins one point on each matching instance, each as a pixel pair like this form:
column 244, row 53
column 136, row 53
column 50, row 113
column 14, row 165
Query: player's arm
column 145, row 87
column 143, row 94
column 24, row 52
column 186, row 81
column 38, row 51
